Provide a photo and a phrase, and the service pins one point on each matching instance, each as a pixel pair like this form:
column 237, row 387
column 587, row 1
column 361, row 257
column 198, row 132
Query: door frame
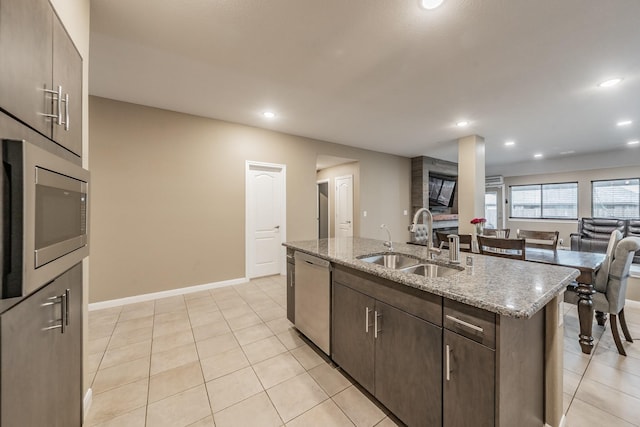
column 248, row 226
column 502, row 207
column 328, row 182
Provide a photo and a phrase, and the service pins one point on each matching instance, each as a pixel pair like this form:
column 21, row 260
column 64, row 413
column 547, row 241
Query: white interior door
column 344, row 206
column 265, row 217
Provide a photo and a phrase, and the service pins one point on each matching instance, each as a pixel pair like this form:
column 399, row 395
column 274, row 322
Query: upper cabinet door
column 25, row 61
column 67, row 73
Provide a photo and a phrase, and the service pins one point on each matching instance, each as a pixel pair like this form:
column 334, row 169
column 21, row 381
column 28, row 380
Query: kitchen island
column 480, row 346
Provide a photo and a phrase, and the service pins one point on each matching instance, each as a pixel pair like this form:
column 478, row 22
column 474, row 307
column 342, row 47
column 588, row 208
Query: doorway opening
column 338, row 184
column 324, row 222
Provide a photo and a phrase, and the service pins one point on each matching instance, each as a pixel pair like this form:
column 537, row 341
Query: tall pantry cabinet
column 41, row 333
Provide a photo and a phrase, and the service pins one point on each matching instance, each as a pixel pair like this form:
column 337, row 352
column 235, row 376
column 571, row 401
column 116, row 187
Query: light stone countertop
column 507, row 287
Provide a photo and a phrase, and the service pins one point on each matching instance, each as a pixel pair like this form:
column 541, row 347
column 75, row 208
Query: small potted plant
column 479, row 223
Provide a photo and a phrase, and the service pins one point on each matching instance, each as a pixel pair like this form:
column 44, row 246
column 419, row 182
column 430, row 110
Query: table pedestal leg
column 585, row 314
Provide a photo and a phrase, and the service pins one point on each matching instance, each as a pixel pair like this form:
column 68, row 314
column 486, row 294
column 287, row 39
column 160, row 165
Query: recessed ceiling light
column 269, row 115
column 430, row 4
column 509, row 143
column 610, row 82
column 537, row 156
column 568, row 152
column 462, row 123
column 634, row 142
column 624, row 122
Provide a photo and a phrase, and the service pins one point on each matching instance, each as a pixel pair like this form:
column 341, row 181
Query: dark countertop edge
column 526, row 313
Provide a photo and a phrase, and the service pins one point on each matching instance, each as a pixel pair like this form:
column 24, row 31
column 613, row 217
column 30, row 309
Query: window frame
column 613, row 180
column 542, row 217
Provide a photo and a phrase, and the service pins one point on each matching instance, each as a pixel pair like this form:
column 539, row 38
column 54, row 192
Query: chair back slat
column 505, row 248
column 494, row 232
column 465, row 241
column 539, row 239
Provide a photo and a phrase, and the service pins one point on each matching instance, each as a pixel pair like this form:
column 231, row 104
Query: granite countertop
column 507, row 287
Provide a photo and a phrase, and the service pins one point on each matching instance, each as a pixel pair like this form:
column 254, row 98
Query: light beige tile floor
column 229, row 357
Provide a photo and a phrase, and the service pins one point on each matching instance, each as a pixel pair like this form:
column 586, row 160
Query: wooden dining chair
column 442, row 239
column 493, row 232
column 505, row 248
column 539, row 239
column 465, row 241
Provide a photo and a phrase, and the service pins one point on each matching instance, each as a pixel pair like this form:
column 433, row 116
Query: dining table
column 588, row 264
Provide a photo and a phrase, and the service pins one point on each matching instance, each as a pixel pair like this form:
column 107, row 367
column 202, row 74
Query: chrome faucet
column 388, row 244
column 412, row 228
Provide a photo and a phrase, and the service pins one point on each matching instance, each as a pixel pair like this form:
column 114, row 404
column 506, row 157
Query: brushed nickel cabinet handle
column 67, row 295
column 367, row 310
column 375, row 324
column 58, row 96
column 66, row 112
column 463, row 323
column 448, row 362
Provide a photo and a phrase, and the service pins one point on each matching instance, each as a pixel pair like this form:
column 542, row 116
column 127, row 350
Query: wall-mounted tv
column 441, row 191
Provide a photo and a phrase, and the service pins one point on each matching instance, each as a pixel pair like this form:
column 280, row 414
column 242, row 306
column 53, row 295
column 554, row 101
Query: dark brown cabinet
column 394, row 355
column 291, row 287
column 26, row 69
column 40, row 72
column 468, row 383
column 408, row 364
column 352, row 334
column 67, row 74
column 41, row 356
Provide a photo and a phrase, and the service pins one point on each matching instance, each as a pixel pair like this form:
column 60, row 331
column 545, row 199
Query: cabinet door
column 68, row 351
column 352, row 344
column 408, row 366
column 291, row 292
column 67, row 72
column 25, row 61
column 469, row 389
column 29, row 371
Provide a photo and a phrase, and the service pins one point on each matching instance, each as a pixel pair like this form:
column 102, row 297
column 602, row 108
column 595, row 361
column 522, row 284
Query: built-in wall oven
column 44, row 217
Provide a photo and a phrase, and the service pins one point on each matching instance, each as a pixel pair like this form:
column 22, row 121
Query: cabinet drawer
column 410, row 300
column 471, row 322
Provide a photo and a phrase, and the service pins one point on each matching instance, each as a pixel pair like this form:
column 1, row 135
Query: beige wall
column 168, row 195
column 583, row 178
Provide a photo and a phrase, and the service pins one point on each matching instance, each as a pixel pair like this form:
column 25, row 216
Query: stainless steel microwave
column 44, row 217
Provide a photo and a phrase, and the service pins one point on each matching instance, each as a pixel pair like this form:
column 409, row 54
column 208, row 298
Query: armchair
column 593, row 233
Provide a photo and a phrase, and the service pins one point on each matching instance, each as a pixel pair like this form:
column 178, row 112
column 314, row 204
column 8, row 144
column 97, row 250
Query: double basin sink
column 408, row 264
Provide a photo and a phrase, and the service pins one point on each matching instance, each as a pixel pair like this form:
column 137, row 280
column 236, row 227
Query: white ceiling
column 384, row 74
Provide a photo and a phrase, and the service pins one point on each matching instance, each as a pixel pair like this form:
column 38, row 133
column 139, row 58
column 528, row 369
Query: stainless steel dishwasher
column 313, row 299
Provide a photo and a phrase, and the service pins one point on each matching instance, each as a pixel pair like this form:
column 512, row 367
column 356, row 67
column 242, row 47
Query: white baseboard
column 88, row 398
column 164, row 294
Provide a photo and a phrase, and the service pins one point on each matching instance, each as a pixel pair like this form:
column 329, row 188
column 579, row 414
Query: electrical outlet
column 405, row 212
column 560, row 241
column 364, row 214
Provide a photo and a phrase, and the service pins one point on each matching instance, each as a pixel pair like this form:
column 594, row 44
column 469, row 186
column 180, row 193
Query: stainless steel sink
column 392, row 260
column 431, row 270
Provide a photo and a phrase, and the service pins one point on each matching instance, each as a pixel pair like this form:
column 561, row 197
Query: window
column 616, row 199
column 545, row 201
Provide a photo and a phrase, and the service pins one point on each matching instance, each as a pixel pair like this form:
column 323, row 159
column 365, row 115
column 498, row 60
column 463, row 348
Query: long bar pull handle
column 448, row 362
column 67, row 295
column 375, row 324
column 66, row 113
column 367, row 310
column 58, row 94
column 463, row 323
column 63, row 312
